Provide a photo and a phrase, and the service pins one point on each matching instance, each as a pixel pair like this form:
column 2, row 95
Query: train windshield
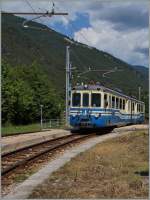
column 96, row 100
column 76, row 99
column 85, row 99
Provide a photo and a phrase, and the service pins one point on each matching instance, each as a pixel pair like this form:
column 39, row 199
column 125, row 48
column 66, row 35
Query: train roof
column 105, row 89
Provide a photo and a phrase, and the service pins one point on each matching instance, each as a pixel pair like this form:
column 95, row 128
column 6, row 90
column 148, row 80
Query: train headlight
column 85, row 86
column 96, row 115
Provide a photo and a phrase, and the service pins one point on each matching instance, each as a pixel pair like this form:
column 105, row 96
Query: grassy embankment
column 117, row 168
column 12, row 130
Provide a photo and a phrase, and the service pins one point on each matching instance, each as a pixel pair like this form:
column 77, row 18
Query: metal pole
column 46, row 14
column 67, row 84
column 139, row 93
column 41, row 117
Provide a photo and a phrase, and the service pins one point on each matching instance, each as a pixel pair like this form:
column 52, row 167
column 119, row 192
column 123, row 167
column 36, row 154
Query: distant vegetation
column 33, row 71
column 24, row 89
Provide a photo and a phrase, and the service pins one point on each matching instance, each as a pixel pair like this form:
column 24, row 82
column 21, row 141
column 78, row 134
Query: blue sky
column 117, row 27
column 82, row 20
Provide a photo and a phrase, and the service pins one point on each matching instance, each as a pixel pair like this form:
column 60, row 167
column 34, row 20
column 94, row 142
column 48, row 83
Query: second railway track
column 12, row 160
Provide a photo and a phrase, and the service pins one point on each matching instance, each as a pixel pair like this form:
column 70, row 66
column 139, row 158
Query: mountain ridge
column 22, row 46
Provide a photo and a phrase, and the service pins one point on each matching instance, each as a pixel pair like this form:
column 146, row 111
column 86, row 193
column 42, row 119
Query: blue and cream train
column 95, row 106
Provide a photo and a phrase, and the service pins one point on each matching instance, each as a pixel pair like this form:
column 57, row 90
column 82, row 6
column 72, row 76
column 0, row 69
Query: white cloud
column 117, row 27
column 104, row 37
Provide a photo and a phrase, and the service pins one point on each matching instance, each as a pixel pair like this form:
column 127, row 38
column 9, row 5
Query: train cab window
column 123, row 104
column 137, row 107
column 76, row 99
column 113, row 102
column 117, row 102
column 120, row 103
column 105, row 101
column 96, row 100
column 85, row 99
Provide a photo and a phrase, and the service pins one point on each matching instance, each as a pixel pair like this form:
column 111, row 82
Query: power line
column 72, row 28
column 29, row 4
column 47, row 13
column 77, row 58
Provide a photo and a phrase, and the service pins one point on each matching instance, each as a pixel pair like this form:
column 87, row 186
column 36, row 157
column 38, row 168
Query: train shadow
column 97, row 131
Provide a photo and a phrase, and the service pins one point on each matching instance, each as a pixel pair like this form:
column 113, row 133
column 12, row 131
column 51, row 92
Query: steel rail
column 33, row 145
column 35, row 154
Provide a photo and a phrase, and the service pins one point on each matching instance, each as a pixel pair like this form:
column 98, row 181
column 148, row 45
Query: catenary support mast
column 68, row 85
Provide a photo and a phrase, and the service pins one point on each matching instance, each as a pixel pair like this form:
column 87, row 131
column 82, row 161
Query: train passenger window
column 105, row 101
column 109, row 101
column 76, row 99
column 96, row 100
column 117, row 102
column 142, row 108
column 137, row 107
column 129, row 107
column 85, row 99
column 120, row 103
column 113, row 102
column 132, row 106
column 123, row 104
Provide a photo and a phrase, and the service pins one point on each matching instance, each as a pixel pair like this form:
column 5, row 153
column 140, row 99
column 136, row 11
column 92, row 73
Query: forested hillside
column 33, row 67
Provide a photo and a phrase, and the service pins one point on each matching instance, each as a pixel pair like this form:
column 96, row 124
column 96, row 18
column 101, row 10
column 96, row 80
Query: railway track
column 12, row 160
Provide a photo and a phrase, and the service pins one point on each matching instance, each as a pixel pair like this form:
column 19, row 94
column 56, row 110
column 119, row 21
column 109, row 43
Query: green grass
column 112, row 169
column 11, row 130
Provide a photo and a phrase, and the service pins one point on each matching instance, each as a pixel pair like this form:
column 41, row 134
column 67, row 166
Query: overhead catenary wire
column 39, row 17
column 73, row 28
column 47, row 13
column 72, row 50
column 24, row 24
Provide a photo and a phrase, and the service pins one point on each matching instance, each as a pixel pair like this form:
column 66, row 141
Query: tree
column 24, row 89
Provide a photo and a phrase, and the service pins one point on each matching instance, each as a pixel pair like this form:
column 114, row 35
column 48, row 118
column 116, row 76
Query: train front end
column 85, row 109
